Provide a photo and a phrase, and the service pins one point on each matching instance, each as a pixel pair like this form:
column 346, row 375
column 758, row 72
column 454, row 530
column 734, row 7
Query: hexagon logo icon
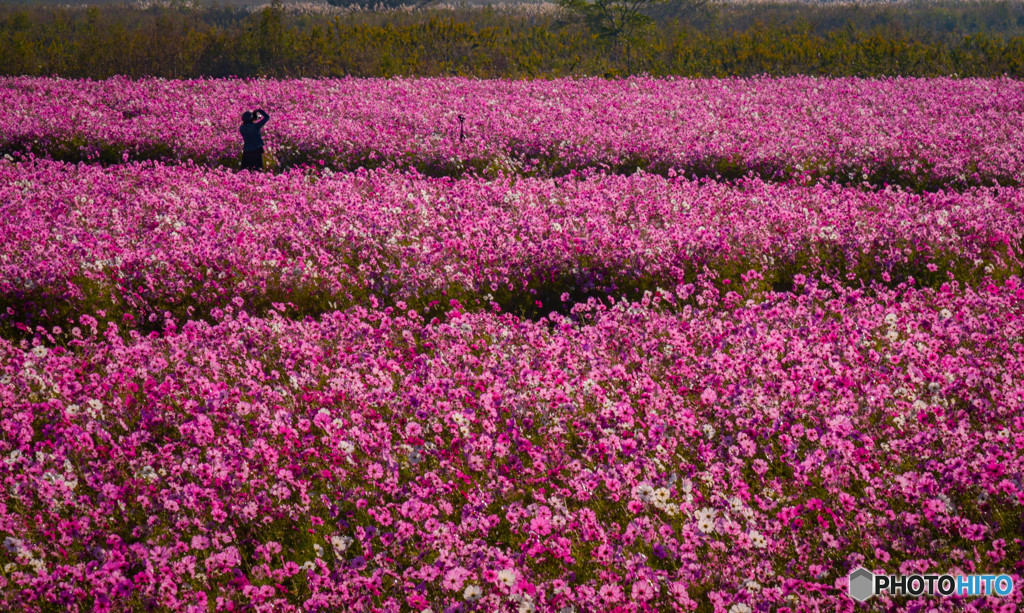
column 862, row 584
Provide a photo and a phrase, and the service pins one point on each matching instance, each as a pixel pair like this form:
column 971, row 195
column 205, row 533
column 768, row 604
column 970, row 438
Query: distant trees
column 371, row 4
column 269, row 34
column 589, row 37
column 619, row 23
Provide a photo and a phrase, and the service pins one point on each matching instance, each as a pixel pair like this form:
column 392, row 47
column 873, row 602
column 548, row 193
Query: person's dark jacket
column 251, row 137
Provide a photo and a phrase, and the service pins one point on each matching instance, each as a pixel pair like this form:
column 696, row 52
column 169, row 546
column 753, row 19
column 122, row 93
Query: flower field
column 915, row 132
column 378, row 389
column 142, row 240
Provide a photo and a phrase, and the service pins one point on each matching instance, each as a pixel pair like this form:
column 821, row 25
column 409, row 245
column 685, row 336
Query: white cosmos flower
column 12, row 545
column 644, row 492
column 340, row 544
column 758, row 540
column 945, row 500
column 706, row 520
column 736, row 503
column 507, row 577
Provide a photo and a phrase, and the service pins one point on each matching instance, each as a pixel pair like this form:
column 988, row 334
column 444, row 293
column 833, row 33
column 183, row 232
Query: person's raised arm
column 265, row 116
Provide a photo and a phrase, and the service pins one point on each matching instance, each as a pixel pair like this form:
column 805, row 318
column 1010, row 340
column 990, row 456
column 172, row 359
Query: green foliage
column 616, row 22
column 614, row 37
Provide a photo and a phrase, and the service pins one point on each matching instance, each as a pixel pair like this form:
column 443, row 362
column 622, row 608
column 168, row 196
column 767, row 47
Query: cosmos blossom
column 302, row 428
column 300, row 391
column 923, row 131
column 145, row 239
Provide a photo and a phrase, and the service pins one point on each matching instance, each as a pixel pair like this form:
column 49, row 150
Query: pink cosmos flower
column 642, row 590
column 610, row 594
column 541, row 525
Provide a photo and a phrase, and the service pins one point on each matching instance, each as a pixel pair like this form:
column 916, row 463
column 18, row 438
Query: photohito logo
column 864, row 584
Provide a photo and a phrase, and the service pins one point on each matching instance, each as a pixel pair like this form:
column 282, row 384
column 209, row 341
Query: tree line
column 674, row 38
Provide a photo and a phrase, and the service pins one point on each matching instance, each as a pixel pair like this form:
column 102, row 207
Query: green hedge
column 928, row 40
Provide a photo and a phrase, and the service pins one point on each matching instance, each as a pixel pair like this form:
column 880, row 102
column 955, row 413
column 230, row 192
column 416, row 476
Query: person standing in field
column 252, row 139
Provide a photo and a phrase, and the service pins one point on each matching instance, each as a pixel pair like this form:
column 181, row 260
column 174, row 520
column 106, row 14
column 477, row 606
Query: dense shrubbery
column 930, row 41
